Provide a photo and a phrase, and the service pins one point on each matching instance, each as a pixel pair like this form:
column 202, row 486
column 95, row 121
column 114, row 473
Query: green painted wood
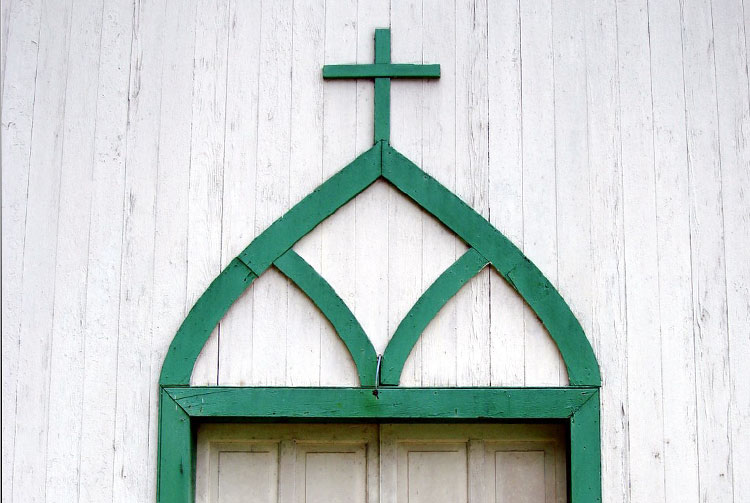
column 179, row 402
column 585, row 453
column 382, row 104
column 424, row 310
column 201, row 320
column 330, row 304
column 507, row 259
column 176, row 453
column 391, row 403
column 375, row 70
column 313, row 209
column 257, row 257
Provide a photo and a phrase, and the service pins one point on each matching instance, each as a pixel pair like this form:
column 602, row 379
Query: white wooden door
column 390, row 463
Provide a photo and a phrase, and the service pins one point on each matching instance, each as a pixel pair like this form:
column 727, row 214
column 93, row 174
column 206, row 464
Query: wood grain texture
column 609, row 329
column 67, row 346
column 133, row 392
column 644, row 386
column 104, row 270
column 21, row 46
column 710, row 329
column 673, row 230
column 628, row 188
column 36, row 309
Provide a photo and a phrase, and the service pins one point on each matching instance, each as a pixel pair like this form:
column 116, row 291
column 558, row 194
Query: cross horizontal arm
column 389, row 70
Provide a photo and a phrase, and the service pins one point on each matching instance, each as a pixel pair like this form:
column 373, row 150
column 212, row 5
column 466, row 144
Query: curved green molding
column 424, row 310
column 322, row 294
column 507, row 259
column 201, row 320
column 257, row 257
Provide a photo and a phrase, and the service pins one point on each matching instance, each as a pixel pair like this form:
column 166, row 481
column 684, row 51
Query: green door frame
column 379, row 398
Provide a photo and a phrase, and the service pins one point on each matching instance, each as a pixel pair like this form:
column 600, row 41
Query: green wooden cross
column 382, row 71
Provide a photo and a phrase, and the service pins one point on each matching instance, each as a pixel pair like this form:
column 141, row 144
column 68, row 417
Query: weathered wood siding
column 145, row 143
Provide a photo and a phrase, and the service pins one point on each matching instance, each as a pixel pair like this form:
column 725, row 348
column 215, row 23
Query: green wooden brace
column 331, row 305
column 424, row 310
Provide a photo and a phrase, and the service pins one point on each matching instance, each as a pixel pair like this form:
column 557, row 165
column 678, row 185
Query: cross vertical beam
column 382, row 87
column 382, row 71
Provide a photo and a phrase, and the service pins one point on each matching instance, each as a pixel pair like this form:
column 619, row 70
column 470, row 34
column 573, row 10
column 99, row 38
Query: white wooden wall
column 145, row 144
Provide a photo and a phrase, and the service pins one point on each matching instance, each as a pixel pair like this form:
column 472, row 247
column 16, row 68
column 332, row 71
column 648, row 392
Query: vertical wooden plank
column 707, row 253
column 440, row 246
column 134, row 385
column 17, row 97
column 272, row 187
column 238, row 214
column 542, row 366
column 472, row 179
column 67, row 364
column 730, row 35
column 5, row 16
column 641, row 260
column 172, row 185
column 39, row 260
column 505, row 185
column 673, row 233
column 339, row 143
column 207, row 168
column 608, row 310
column 105, row 255
column 405, row 242
column 571, row 167
column 371, row 206
column 304, row 320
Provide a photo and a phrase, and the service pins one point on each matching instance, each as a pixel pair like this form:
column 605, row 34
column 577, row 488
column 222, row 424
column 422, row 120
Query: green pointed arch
column 488, row 245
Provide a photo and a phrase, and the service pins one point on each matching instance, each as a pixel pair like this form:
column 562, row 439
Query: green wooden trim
column 424, row 310
column 375, row 70
column 201, row 320
column 181, row 407
column 257, row 257
column 330, row 304
column 390, row 403
column 585, row 453
column 176, row 453
column 313, row 209
column 507, row 259
column 382, row 105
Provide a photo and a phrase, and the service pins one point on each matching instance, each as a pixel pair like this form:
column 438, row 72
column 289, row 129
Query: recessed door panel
column 331, row 473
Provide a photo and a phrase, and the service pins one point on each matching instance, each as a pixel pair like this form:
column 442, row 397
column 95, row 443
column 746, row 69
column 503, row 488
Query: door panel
column 390, row 463
column 330, row 473
column 244, row 475
column 287, row 464
column 430, row 472
column 473, row 463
